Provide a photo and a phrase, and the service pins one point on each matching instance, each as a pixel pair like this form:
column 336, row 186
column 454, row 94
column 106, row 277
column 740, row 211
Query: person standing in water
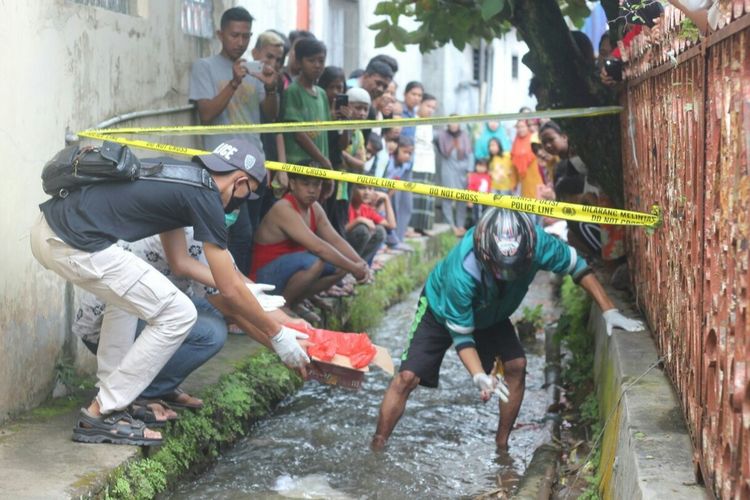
column 467, row 302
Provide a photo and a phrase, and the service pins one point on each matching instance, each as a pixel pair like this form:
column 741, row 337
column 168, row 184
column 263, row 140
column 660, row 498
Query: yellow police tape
column 354, row 124
column 546, row 208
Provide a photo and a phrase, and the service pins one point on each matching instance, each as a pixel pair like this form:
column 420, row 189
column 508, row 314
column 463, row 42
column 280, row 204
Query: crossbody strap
column 190, row 174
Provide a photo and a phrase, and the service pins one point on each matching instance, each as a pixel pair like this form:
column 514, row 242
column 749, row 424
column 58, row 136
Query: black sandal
column 115, row 428
column 146, row 415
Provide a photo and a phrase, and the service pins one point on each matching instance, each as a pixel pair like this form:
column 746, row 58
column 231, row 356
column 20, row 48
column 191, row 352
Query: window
column 514, row 67
column 197, row 18
column 121, row 6
column 343, row 49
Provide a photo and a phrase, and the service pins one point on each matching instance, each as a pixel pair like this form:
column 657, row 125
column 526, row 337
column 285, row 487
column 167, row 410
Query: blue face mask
column 231, row 217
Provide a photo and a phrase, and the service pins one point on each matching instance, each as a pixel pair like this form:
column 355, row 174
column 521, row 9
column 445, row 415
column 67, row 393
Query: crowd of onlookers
column 311, row 237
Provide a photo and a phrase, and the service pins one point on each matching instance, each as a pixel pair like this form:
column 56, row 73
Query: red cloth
column 326, row 343
column 365, row 211
column 626, row 40
column 480, row 182
column 521, row 154
column 268, row 252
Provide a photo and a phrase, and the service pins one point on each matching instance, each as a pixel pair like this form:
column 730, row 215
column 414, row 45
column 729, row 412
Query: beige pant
column 124, row 281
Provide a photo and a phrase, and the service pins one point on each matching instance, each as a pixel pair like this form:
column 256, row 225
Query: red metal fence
column 686, row 137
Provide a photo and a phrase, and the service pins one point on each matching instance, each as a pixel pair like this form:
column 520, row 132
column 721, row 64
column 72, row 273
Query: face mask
column 231, row 218
column 234, row 202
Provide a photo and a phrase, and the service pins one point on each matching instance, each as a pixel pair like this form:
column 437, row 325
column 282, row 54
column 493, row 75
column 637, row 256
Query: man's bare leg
column 392, row 407
column 307, row 283
column 515, row 377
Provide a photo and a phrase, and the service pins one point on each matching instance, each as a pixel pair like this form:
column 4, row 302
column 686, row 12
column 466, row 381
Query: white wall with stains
column 65, row 66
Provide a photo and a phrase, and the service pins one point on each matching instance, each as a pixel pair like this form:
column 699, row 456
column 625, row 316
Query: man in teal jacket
column 467, row 302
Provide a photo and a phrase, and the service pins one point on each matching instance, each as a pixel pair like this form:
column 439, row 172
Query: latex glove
column 491, row 385
column 286, row 346
column 267, row 302
column 615, row 319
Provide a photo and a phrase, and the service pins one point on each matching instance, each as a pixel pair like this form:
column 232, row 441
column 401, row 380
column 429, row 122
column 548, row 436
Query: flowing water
column 316, row 443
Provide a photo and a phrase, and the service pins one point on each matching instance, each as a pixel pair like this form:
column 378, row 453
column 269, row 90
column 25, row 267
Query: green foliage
column 441, row 22
column 399, row 277
column 458, row 22
column 67, row 375
column 689, row 31
column 533, row 316
column 230, row 407
column 571, row 330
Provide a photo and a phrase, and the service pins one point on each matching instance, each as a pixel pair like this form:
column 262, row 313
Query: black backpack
column 74, row 167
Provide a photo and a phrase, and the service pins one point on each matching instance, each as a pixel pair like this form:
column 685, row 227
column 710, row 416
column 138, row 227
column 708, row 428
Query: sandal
column 145, row 411
column 174, row 400
column 115, row 428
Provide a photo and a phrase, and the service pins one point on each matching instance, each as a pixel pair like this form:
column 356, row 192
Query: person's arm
column 270, row 104
column 353, row 164
column 280, row 148
column 328, row 234
column 180, row 262
column 595, row 289
column 292, row 225
column 209, row 109
column 240, row 303
column 310, row 148
column 390, row 216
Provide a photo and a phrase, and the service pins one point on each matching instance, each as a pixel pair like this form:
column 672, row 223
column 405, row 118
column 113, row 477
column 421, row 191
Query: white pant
column 122, row 280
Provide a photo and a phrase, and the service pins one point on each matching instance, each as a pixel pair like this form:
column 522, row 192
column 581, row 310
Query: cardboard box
column 340, row 372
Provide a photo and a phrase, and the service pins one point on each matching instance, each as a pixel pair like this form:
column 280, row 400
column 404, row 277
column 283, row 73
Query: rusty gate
column 686, row 137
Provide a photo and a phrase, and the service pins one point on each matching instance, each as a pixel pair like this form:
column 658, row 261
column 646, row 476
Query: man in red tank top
column 296, row 248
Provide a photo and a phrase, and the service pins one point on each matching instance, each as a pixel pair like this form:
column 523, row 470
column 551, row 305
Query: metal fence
column 686, row 134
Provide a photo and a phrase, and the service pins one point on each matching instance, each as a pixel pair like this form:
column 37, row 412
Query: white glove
column 267, row 302
column 286, row 346
column 489, row 385
column 615, row 319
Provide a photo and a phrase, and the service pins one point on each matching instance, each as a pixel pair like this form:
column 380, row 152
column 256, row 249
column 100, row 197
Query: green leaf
column 385, row 9
column 491, row 8
column 380, row 26
column 382, row 39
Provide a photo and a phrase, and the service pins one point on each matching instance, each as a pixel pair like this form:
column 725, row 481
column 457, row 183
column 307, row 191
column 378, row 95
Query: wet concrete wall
column 66, row 66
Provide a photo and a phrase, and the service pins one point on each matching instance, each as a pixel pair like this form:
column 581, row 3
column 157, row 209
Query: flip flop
column 172, row 399
column 115, row 428
column 142, row 410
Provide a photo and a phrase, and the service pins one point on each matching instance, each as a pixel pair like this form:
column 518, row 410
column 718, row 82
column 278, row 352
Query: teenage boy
column 296, row 248
column 75, row 237
column 304, row 101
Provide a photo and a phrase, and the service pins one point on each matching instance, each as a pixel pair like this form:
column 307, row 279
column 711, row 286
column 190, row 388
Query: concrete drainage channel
column 257, row 384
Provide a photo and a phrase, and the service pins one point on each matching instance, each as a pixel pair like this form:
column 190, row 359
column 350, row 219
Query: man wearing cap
column 75, row 237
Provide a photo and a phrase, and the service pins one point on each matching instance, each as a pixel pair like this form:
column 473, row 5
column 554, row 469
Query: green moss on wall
column 231, row 406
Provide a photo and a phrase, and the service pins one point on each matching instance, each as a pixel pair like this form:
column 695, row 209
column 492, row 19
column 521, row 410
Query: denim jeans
column 202, row 342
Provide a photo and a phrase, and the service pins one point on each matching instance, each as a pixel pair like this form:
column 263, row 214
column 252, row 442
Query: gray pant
column 446, row 206
column 365, row 241
column 129, row 286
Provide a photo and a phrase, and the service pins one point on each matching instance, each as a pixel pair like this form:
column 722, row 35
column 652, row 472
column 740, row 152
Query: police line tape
column 545, row 208
column 355, row 124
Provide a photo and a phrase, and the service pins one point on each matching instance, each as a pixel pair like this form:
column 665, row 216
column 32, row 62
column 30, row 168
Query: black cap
column 236, row 154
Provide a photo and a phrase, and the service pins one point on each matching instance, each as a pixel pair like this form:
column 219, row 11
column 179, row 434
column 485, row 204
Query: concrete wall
column 65, row 66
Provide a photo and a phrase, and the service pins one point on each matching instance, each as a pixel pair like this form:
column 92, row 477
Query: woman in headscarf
column 456, row 161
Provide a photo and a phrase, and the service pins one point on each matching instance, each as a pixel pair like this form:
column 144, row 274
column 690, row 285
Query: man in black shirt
column 74, row 237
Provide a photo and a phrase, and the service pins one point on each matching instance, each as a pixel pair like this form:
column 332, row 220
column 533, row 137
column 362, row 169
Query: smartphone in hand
column 254, row 66
column 340, row 100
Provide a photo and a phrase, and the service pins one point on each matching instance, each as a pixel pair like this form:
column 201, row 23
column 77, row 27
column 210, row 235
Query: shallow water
column 316, row 443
